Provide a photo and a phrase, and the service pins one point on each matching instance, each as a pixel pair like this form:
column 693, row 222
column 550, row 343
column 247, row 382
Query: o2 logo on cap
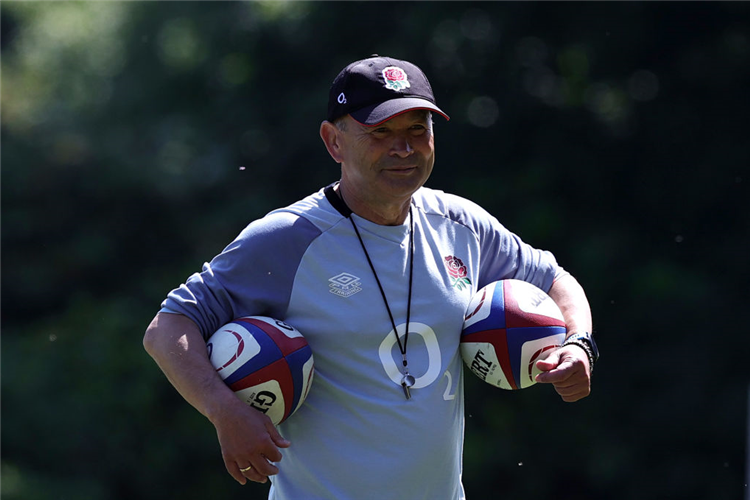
column 395, row 78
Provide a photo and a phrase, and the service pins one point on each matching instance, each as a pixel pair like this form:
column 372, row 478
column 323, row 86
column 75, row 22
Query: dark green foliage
column 614, row 134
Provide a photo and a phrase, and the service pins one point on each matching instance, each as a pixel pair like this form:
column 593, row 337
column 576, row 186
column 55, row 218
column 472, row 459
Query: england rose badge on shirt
column 457, row 272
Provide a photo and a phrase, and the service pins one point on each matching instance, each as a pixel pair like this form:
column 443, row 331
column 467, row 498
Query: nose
column 401, row 147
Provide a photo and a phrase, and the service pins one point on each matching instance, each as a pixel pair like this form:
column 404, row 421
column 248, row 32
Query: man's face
column 389, row 162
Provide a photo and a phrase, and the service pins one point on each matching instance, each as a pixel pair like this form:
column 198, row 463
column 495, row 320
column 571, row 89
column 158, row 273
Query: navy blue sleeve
column 253, row 276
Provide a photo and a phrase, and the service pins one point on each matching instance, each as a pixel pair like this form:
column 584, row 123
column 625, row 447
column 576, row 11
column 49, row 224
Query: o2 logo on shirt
column 434, row 358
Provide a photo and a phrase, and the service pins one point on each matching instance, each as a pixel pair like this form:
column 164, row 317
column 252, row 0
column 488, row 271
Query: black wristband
column 585, row 348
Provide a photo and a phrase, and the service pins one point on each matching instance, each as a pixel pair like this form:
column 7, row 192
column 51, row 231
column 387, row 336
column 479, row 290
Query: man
column 384, row 416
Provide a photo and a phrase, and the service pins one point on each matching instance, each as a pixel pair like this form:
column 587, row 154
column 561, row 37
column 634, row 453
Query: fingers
column 567, row 372
column 573, row 388
column 277, row 439
column 249, row 443
column 550, row 362
column 255, row 467
column 563, row 364
column 558, row 373
column 573, row 393
column 244, row 471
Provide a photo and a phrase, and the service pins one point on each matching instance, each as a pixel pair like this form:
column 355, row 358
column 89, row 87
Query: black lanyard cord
column 402, row 347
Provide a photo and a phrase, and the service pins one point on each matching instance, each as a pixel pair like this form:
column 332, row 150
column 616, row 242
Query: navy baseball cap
column 376, row 89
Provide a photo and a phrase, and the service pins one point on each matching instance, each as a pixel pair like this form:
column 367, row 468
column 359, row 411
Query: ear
column 330, row 135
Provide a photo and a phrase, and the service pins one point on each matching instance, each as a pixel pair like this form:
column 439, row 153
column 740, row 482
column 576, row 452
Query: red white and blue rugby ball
column 267, row 363
column 510, row 325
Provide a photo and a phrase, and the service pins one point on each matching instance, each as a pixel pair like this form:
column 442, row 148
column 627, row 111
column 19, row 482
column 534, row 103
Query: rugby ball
column 510, row 325
column 267, row 363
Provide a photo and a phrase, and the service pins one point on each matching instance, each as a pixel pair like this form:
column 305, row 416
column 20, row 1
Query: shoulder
column 275, row 228
column 453, row 207
column 273, row 245
column 303, row 220
column 315, row 209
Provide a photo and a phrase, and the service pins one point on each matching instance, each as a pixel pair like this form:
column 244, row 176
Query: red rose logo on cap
column 395, row 78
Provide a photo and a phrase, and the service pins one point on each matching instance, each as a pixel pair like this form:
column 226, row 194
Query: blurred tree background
column 614, row 134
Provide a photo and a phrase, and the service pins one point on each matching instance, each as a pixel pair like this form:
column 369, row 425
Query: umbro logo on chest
column 344, row 285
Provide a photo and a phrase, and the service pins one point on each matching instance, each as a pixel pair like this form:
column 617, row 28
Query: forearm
column 175, row 343
column 570, row 297
column 569, row 368
column 247, row 437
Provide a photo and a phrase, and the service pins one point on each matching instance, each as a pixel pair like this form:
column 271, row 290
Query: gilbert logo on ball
column 509, row 326
column 267, row 363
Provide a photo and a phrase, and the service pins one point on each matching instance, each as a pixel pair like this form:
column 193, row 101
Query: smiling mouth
column 401, row 170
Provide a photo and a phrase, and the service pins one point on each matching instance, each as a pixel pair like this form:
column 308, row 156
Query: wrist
column 585, row 341
column 223, row 403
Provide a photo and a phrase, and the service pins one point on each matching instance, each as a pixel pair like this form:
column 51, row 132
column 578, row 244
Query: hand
column 568, row 370
column 248, row 438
